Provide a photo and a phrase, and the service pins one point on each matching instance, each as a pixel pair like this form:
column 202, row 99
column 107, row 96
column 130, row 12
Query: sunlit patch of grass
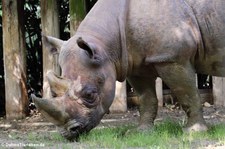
column 217, row 132
column 166, row 135
column 106, row 137
column 55, row 136
column 160, row 136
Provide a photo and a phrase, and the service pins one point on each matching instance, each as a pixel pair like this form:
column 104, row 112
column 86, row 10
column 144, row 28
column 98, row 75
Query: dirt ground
column 17, row 134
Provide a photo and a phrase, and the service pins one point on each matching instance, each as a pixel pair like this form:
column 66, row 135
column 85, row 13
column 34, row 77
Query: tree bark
column 77, row 14
column 14, row 59
column 159, row 91
column 219, row 91
column 120, row 101
column 50, row 27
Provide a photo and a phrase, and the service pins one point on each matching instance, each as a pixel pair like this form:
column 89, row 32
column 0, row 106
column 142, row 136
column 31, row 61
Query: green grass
column 166, row 135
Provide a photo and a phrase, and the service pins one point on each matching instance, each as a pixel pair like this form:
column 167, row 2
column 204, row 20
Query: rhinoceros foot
column 197, row 127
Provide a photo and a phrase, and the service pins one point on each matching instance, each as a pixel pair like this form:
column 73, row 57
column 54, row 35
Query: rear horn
column 58, row 85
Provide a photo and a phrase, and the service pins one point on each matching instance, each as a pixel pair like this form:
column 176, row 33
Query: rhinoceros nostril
column 74, row 129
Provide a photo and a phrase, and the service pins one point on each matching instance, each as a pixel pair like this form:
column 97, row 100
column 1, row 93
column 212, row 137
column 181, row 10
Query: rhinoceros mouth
column 74, row 126
column 72, row 130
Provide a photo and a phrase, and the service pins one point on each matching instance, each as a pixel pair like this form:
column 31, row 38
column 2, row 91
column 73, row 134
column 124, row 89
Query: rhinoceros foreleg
column 181, row 80
column 145, row 88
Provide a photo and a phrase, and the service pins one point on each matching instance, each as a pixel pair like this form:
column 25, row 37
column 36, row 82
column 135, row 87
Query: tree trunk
column 219, row 91
column 77, row 14
column 50, row 27
column 14, row 59
column 159, row 91
column 120, row 101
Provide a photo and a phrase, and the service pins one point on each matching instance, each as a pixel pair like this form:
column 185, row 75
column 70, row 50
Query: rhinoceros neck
column 106, row 22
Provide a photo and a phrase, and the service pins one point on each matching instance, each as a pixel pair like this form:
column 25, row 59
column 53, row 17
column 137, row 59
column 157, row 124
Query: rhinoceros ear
column 85, row 46
column 53, row 44
column 90, row 49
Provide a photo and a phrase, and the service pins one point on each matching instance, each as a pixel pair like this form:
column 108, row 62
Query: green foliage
column 77, row 10
column 32, row 21
column 63, row 7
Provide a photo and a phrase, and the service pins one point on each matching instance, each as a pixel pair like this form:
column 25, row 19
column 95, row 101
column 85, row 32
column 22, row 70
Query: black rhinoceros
column 137, row 40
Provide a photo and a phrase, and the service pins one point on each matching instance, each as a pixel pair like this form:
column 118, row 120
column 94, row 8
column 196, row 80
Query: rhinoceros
column 137, row 40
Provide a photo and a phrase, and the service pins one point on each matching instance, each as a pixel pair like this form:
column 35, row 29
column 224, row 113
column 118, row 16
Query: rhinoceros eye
column 89, row 95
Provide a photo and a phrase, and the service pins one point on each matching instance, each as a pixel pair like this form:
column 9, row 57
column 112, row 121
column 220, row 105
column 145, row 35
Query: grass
column 160, row 137
column 165, row 135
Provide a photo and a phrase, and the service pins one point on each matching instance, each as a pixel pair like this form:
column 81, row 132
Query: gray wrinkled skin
column 139, row 41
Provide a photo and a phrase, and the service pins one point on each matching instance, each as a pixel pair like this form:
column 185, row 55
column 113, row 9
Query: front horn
column 52, row 110
column 58, row 85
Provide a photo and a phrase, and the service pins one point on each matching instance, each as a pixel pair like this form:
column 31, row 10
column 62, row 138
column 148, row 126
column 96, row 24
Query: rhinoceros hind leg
column 145, row 88
column 181, row 80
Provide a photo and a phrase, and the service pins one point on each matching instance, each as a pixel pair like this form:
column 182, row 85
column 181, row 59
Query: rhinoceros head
column 85, row 89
